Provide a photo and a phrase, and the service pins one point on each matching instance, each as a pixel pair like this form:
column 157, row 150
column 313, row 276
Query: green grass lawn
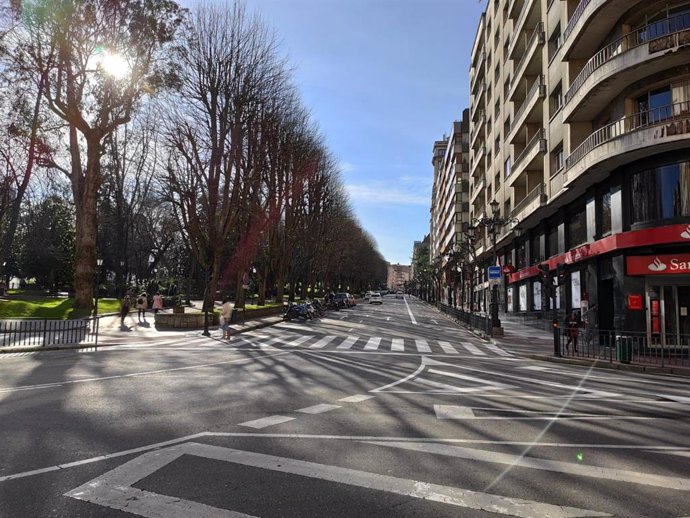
column 52, row 308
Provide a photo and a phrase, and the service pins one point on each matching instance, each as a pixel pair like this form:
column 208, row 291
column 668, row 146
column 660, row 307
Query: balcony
column 590, row 24
column 514, row 8
column 477, row 101
column 643, row 53
column 523, row 29
column 530, row 203
column 477, row 163
column 638, row 136
column 530, row 158
column 528, row 110
column 477, row 188
column 478, row 129
column 478, row 70
column 530, row 62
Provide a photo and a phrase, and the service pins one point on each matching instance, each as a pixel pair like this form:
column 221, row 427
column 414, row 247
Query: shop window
column 577, row 228
column 660, row 193
column 520, row 255
column 553, row 241
column 536, row 255
column 606, row 213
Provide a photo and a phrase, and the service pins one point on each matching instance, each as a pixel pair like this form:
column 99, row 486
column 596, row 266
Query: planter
column 178, row 310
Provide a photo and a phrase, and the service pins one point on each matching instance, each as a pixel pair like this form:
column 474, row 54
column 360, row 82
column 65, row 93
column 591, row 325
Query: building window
column 520, row 255
column 553, row 241
column 655, row 106
column 557, row 160
column 606, row 213
column 577, row 228
column 554, row 41
column 660, row 193
column 535, row 254
column 556, row 99
column 507, row 167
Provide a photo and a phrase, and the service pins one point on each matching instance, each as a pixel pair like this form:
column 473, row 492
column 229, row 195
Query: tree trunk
column 86, row 197
column 262, row 286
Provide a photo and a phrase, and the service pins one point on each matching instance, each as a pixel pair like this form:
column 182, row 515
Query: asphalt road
column 387, row 410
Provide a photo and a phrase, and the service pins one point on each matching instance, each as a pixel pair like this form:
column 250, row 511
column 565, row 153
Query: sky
column 383, row 79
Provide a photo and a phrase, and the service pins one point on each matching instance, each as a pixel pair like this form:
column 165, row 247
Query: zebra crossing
column 355, row 343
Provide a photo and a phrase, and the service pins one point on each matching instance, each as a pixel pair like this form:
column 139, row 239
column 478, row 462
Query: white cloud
column 384, row 193
column 346, row 167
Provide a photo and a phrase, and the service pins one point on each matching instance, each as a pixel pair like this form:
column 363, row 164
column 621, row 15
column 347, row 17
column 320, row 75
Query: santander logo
column 657, row 265
column 686, row 233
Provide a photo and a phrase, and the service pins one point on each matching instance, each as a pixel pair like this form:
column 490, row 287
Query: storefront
column 666, row 297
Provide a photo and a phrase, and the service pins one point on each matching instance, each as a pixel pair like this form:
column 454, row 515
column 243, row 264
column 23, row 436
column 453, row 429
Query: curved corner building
column 580, row 129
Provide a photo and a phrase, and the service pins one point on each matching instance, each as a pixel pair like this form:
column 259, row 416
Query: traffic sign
column 494, row 272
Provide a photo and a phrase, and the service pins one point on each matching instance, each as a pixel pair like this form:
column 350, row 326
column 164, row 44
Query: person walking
column 225, row 315
column 573, row 330
column 157, row 303
column 142, row 304
column 124, row 309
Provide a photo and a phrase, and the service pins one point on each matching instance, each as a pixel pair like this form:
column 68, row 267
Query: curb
column 605, row 364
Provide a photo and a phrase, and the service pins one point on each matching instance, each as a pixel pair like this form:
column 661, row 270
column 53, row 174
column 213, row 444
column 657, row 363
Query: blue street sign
column 494, row 272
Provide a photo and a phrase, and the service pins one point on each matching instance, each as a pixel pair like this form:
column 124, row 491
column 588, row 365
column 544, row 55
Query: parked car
column 399, row 294
column 376, row 298
column 342, row 298
column 368, row 294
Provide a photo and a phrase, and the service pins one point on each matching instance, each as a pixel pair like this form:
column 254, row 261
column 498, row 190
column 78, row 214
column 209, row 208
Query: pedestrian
column 157, row 303
column 573, row 328
column 124, row 309
column 142, row 304
column 225, row 316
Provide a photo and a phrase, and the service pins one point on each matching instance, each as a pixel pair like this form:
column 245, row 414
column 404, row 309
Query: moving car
column 398, row 294
column 376, row 298
column 342, row 299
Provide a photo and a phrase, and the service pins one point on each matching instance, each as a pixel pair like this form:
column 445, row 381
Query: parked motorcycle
column 295, row 311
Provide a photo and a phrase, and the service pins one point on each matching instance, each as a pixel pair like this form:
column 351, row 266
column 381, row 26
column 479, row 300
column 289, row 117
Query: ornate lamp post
column 493, row 224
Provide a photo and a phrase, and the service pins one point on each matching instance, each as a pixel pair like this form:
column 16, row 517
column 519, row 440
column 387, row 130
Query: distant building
column 398, row 276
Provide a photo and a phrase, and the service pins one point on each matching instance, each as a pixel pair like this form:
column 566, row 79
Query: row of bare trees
column 182, row 126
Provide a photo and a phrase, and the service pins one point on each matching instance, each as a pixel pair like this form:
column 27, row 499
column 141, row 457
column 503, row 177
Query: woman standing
column 157, row 303
column 142, row 304
column 124, row 309
column 225, row 315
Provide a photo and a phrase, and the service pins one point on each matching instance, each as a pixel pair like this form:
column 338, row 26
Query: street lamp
column 493, row 224
column 99, row 263
column 206, row 276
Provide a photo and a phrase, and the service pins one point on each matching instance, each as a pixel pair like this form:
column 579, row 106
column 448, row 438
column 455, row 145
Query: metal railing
column 650, row 32
column 538, row 136
column 479, row 125
column 646, row 119
column 625, row 346
column 577, row 14
column 538, row 87
column 526, row 8
column 45, row 333
column 537, row 33
column 534, row 194
column 471, row 320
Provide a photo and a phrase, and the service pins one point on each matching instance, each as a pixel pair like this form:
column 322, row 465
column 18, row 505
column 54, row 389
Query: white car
column 376, row 298
column 399, row 294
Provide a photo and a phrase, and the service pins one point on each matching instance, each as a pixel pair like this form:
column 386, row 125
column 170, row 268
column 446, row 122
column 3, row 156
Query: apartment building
column 580, row 130
column 399, row 275
column 449, row 204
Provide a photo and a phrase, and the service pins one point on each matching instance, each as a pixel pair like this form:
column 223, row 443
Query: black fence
column 624, row 347
column 46, row 333
column 468, row 319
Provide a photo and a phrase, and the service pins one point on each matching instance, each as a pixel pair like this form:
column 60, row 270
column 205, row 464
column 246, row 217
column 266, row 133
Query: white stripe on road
column 453, row 412
column 486, row 384
column 619, row 475
column 447, row 348
column 348, row 342
column 498, row 350
column 473, row 349
column 114, row 489
column 356, row 398
column 398, row 345
column 323, row 342
column 410, row 312
column 373, row 343
column 318, row 409
column 267, row 421
column 422, row 346
column 434, row 321
column 300, row 341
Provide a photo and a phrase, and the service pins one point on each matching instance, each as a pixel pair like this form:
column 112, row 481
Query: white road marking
column 398, row 345
column 300, row 340
column 447, row 388
column 356, row 398
column 318, row 409
column 323, row 342
column 498, row 350
column 434, row 321
column 348, row 342
column 114, row 489
column 678, row 399
column 422, row 346
column 619, row 475
column 373, row 343
column 471, row 348
column 447, row 347
column 453, row 412
column 267, row 421
column 409, row 311
column 485, row 384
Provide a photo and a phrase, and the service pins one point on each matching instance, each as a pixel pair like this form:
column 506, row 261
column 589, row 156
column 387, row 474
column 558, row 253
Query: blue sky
column 383, row 79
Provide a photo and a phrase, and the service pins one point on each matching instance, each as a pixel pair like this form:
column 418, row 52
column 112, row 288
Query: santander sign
column 670, row 264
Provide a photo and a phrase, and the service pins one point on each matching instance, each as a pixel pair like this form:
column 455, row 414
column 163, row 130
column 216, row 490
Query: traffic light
column 561, row 273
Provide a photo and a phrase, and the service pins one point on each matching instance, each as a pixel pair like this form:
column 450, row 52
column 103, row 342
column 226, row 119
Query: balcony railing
column 477, row 98
column 636, row 122
column 526, row 8
column 537, row 34
column 533, row 195
column 579, row 10
column 477, row 68
column 666, row 27
column 479, row 125
column 535, row 140
column 538, row 88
